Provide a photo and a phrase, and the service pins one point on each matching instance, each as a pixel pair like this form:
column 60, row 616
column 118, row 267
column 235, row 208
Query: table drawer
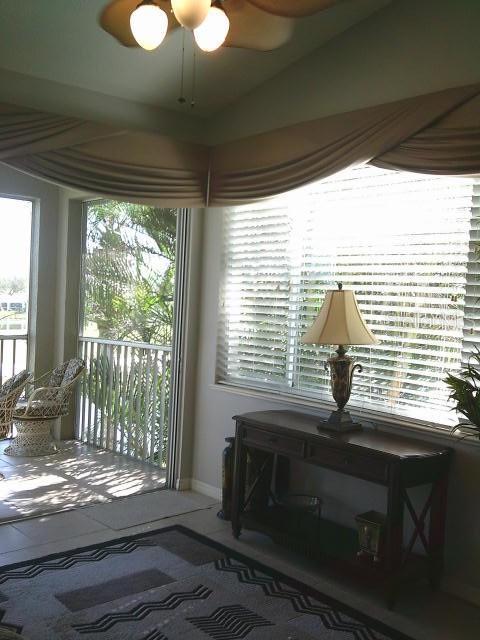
column 364, row 466
column 273, row 442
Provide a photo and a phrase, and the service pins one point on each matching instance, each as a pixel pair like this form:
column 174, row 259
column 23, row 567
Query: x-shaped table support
column 419, row 524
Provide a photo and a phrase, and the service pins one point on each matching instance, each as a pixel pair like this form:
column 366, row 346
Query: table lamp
column 340, row 322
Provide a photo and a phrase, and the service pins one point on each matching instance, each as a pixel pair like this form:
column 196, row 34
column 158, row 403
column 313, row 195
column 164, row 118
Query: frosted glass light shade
column 149, row 25
column 339, row 321
column 190, row 13
column 214, row 29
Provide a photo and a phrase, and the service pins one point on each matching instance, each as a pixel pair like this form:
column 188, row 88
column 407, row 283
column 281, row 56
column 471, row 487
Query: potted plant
column 465, row 392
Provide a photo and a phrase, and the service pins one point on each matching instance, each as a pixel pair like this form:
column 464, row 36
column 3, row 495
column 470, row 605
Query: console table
column 398, row 463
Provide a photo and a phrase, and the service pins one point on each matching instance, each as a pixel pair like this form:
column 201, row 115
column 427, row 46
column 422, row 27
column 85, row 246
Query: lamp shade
column 339, row 322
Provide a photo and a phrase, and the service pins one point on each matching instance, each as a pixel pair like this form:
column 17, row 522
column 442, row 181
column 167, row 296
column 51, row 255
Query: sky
column 15, row 231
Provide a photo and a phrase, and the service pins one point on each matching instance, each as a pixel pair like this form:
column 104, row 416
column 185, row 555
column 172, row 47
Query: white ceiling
column 60, row 41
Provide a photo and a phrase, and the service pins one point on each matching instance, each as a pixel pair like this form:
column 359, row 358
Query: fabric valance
column 439, row 130
column 136, row 166
column 435, row 133
column 451, row 146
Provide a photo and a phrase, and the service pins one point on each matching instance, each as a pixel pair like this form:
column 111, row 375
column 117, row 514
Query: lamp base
column 340, row 421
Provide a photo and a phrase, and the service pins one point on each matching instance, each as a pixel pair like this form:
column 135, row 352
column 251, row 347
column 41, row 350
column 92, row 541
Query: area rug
column 170, row 584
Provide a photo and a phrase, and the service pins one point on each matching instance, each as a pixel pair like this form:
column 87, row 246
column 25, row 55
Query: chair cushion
column 13, row 383
column 56, row 376
column 40, row 409
column 66, row 372
column 52, row 401
column 74, row 367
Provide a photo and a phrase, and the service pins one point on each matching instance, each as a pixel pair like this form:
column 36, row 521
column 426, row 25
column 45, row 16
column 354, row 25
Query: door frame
column 176, row 405
column 177, row 384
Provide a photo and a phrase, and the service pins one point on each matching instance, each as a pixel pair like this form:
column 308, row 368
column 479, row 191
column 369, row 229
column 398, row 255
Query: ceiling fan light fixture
column 211, row 34
column 149, row 25
column 190, row 13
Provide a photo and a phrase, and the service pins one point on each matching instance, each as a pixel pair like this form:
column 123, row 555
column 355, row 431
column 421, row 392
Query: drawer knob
column 347, row 461
column 273, row 439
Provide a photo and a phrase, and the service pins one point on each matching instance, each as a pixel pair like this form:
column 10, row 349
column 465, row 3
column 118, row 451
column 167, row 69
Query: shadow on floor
column 76, row 476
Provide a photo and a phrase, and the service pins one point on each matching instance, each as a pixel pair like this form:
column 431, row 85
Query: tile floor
column 78, row 475
column 419, row 613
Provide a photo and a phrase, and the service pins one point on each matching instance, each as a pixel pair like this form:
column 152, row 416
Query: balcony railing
column 124, row 398
column 13, row 355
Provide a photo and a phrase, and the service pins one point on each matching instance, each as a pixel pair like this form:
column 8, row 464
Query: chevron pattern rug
column 169, row 584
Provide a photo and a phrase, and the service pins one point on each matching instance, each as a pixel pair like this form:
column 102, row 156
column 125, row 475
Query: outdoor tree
column 129, row 271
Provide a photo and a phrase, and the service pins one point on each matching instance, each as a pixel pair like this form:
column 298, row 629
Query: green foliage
column 465, row 392
column 130, row 271
column 129, row 268
column 129, row 408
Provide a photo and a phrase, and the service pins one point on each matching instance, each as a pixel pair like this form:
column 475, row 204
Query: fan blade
column 115, row 19
column 293, row 8
column 251, row 28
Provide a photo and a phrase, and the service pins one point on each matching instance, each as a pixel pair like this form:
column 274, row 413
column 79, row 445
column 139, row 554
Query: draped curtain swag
column 277, row 161
column 438, row 133
column 134, row 166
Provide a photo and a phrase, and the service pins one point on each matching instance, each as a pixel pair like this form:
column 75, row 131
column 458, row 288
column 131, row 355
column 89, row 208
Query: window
column 15, row 240
column 405, row 243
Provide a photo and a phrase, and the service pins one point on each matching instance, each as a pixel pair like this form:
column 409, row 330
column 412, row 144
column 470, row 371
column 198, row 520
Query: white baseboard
column 461, row 590
column 183, row 484
column 206, row 489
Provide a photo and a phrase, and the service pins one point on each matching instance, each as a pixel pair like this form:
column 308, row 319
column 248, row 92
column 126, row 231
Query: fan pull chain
column 182, row 99
column 194, row 78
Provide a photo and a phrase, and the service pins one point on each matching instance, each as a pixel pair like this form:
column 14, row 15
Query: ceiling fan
column 261, row 25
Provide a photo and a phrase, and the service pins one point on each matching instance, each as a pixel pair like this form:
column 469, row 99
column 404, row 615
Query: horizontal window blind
column 407, row 244
column 471, row 335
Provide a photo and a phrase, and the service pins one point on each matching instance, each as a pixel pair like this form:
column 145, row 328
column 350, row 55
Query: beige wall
column 68, row 276
column 344, row 497
column 44, row 267
column 55, row 273
column 406, row 49
column 46, row 95
column 409, row 48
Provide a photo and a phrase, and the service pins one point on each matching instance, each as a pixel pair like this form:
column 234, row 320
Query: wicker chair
column 45, row 404
column 10, row 392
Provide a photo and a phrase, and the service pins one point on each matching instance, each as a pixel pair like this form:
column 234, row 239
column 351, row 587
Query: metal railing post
column 10, row 363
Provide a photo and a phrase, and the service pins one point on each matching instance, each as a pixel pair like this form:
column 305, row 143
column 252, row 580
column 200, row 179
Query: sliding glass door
column 127, row 328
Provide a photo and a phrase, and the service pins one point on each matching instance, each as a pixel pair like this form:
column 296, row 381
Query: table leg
column 394, row 534
column 436, row 534
column 239, row 472
column 281, row 475
column 258, row 479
